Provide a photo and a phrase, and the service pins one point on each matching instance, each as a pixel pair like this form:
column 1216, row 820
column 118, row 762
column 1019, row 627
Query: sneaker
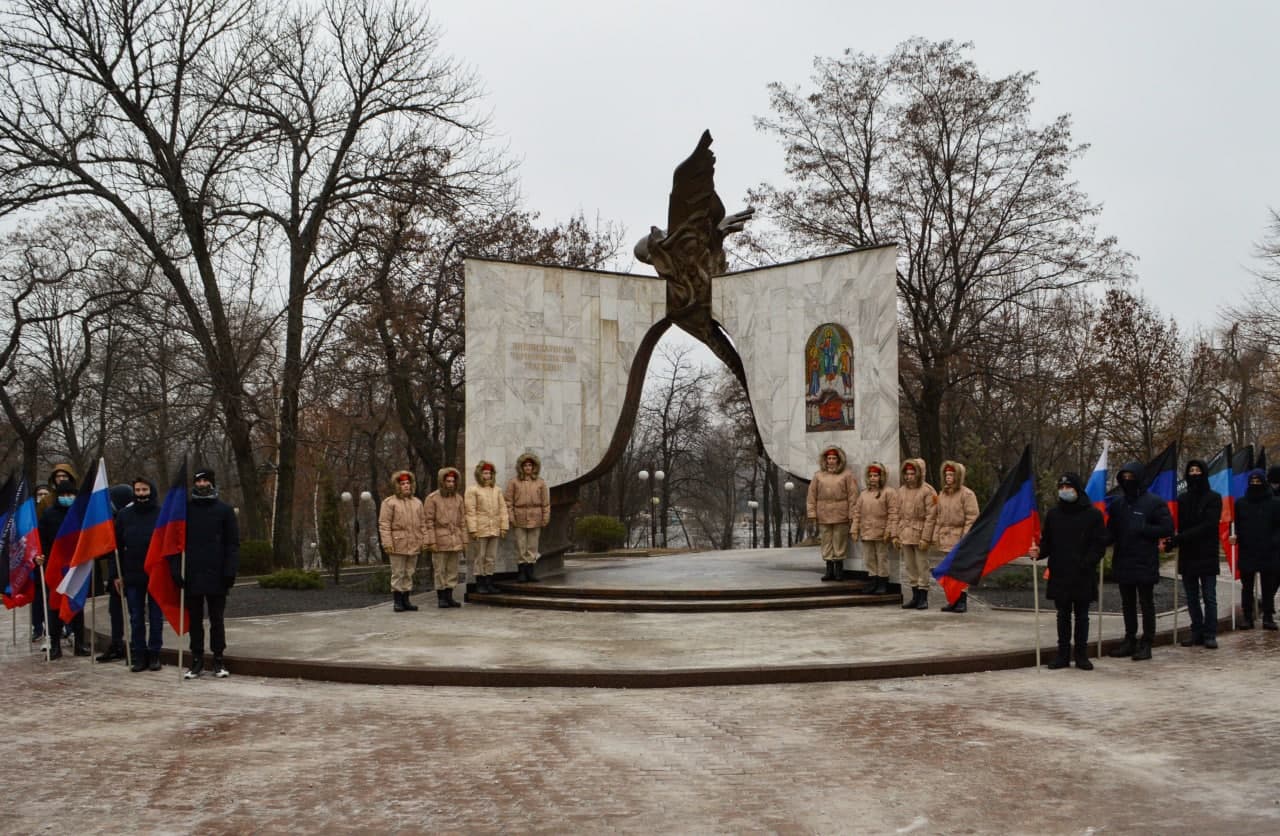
column 154, row 664
column 220, row 668
column 37, row 632
column 1211, row 643
column 197, row 668
column 113, row 653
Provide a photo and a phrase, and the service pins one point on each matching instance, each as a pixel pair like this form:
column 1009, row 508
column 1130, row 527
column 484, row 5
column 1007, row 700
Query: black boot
column 80, row 648
column 1269, row 622
column 831, row 571
column 1128, row 647
column 406, row 603
column 882, row 586
column 531, row 576
column 398, row 597
column 837, row 569
column 1062, row 660
column 1144, row 651
column 960, row 606
column 1082, row 659
column 440, row 600
column 448, row 597
column 915, row 599
column 924, row 599
column 55, row 649
column 113, row 653
column 139, row 662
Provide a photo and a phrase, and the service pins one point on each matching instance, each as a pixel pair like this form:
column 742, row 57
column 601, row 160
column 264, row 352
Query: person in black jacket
column 50, row 522
column 1136, row 523
column 134, row 526
column 212, row 558
column 1074, row 539
column 1258, row 536
column 104, row 573
column 1199, row 510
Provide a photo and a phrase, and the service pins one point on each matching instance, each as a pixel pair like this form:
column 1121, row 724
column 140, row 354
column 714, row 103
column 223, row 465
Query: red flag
column 169, row 540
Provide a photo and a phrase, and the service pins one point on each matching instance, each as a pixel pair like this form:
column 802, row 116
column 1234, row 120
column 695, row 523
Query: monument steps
column 553, row 590
column 637, row 600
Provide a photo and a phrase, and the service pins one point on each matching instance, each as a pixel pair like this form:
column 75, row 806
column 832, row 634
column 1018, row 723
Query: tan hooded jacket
column 875, row 508
column 832, row 496
column 917, row 508
column 486, row 507
column 957, row 509
column 401, row 525
column 446, row 516
column 528, row 500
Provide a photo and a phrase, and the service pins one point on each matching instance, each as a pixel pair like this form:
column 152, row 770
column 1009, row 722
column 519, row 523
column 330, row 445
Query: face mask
column 1068, row 494
column 66, row 501
column 141, row 500
column 204, row 491
column 1130, row 487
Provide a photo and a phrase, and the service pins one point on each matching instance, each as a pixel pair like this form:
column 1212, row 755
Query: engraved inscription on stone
column 542, row 359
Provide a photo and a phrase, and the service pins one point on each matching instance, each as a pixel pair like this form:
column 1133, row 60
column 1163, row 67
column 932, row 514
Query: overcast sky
column 599, row 99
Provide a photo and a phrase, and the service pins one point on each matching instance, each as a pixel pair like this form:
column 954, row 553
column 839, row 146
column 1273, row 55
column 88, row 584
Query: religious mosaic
column 828, row 356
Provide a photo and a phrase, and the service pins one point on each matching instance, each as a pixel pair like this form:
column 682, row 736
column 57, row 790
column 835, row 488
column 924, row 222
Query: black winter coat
column 50, row 522
column 1197, row 537
column 1135, row 529
column 1074, row 539
column 213, row 547
column 1258, row 533
column 134, row 526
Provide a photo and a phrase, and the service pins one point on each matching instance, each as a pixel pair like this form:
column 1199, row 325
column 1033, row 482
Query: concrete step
column 637, row 603
column 552, row 590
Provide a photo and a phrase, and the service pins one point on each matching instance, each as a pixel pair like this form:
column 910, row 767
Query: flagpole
column 1035, row 594
column 1175, row 606
column 93, row 615
column 124, row 608
column 1235, row 567
column 44, row 600
column 1101, row 572
column 182, row 604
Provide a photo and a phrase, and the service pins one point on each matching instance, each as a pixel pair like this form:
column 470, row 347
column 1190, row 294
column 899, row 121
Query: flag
column 169, row 539
column 1096, row 489
column 1160, row 477
column 1219, row 472
column 1004, row 530
column 97, row 537
column 19, row 547
column 1241, row 464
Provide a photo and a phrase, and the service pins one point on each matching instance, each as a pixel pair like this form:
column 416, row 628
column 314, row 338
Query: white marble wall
column 549, row 352
column 769, row 314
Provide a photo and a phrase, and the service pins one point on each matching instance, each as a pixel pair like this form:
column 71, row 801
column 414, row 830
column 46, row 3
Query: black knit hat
column 205, row 473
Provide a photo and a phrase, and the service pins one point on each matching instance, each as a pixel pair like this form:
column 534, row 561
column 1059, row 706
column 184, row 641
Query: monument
column 556, row 357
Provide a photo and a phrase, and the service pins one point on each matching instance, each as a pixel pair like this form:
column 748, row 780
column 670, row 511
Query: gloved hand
column 228, row 581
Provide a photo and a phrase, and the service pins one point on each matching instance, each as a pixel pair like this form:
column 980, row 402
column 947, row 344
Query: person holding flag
column 1257, row 534
column 135, row 524
column 1199, row 511
column 1074, row 539
column 957, row 512
column 1137, row 521
column 51, row 523
column 212, row 560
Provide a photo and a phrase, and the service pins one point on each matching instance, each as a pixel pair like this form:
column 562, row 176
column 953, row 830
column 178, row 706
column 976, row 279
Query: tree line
column 236, row 231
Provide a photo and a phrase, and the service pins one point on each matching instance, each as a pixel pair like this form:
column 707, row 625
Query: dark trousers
column 1204, row 621
column 1130, row 594
column 143, row 609
column 37, row 603
column 116, row 613
column 217, row 605
column 1081, row 611
column 55, row 627
column 1270, row 583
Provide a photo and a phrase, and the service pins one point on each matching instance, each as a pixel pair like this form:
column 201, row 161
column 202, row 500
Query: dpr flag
column 168, row 540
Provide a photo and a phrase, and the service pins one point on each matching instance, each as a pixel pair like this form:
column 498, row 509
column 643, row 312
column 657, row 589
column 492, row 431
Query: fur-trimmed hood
column 528, row 457
column 884, row 475
column 395, row 482
column 832, row 448
column 921, row 472
column 480, row 466
column 942, row 479
column 457, row 480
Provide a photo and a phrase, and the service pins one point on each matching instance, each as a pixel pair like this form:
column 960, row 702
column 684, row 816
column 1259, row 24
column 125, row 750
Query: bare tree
column 921, row 148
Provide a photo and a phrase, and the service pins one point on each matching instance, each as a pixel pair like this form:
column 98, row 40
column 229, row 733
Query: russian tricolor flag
column 1096, row 489
column 95, row 536
column 1005, row 529
column 168, row 540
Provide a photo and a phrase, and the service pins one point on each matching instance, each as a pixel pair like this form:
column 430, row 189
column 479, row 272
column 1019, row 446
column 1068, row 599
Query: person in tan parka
column 917, row 514
column 446, row 524
column 529, row 511
column 957, row 510
column 875, row 509
column 401, row 528
column 486, row 523
column 833, row 494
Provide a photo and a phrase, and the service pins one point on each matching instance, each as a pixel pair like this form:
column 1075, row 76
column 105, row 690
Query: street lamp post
column 653, row 521
column 753, row 505
column 643, row 476
column 658, row 476
column 790, row 486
